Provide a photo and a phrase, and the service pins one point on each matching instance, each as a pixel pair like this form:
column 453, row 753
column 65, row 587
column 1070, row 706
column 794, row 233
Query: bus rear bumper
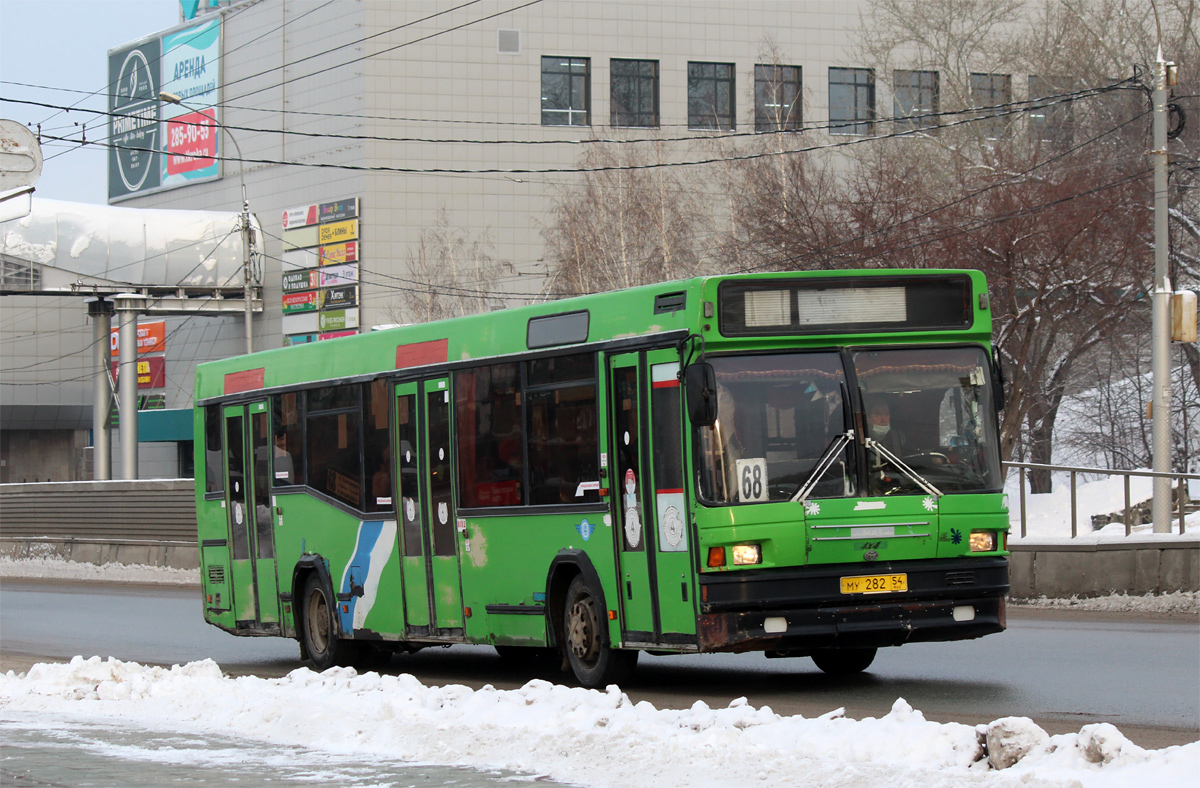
column 804, row 612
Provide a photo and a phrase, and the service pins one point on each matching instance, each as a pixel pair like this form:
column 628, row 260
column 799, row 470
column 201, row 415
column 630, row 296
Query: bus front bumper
column 794, row 612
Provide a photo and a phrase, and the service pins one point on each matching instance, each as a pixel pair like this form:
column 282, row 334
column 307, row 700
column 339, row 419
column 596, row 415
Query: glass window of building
column 634, row 92
column 992, row 92
column 710, row 96
column 1052, row 120
column 777, row 98
column 851, row 100
column 915, row 99
column 566, row 91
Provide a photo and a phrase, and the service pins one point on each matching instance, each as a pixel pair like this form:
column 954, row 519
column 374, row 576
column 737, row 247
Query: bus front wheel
column 320, row 635
column 592, row 661
column 844, row 661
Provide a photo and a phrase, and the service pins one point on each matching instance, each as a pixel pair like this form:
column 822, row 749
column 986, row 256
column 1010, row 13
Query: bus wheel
column 844, row 661
column 592, row 661
column 320, row 635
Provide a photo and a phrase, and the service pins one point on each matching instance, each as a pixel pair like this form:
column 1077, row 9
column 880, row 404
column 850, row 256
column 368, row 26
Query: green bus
column 802, row 464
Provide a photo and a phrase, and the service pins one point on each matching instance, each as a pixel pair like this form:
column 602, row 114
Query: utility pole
column 101, row 312
column 1160, row 326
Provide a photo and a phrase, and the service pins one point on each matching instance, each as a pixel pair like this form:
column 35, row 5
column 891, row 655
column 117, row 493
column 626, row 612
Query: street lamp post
column 171, row 98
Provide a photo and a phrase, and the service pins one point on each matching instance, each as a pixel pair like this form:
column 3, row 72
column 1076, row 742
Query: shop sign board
column 339, row 253
column 296, row 281
column 337, row 275
column 299, row 217
column 339, row 297
column 151, row 372
column 300, row 302
column 338, row 232
column 151, row 338
column 338, row 320
column 339, row 209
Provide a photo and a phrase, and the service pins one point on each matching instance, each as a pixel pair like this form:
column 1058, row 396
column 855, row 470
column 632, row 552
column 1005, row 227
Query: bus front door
column 248, row 453
column 629, row 481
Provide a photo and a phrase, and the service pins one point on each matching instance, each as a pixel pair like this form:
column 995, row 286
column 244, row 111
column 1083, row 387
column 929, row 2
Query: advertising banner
column 339, row 209
column 300, row 258
column 339, row 297
column 337, row 334
column 155, row 144
column 299, row 302
column 300, row 323
column 339, row 253
column 300, row 339
column 151, row 338
column 296, row 281
column 151, row 372
column 299, row 238
column 337, row 275
column 299, row 217
column 338, row 232
column 189, row 69
column 338, row 320
column 133, row 126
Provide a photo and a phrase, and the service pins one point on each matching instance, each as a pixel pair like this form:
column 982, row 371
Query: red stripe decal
column 670, row 492
column 244, row 381
column 418, row 354
column 665, row 384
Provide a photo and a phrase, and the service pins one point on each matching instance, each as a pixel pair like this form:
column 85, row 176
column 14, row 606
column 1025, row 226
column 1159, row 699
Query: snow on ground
column 1172, row 602
column 59, row 569
column 589, row 737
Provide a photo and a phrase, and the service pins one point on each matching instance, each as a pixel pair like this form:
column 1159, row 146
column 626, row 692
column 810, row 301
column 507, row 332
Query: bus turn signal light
column 716, row 557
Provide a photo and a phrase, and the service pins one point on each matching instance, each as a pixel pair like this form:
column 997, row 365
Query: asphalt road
column 1064, row 669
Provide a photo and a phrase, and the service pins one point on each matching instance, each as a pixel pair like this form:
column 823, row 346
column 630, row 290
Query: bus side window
column 287, row 439
column 214, row 476
column 491, row 454
column 332, row 444
column 377, row 452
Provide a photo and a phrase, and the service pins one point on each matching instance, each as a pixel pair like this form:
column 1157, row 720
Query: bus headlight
column 744, row 554
column 983, row 541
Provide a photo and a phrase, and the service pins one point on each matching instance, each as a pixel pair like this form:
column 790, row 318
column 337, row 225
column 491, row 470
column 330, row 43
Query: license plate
column 874, row 584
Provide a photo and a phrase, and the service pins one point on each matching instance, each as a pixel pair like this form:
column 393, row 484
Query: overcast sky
column 64, row 44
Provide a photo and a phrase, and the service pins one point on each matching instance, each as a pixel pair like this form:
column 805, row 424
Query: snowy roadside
column 58, row 569
column 587, row 737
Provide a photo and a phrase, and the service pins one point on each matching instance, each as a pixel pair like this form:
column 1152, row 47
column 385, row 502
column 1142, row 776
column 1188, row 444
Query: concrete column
column 128, row 305
column 101, row 312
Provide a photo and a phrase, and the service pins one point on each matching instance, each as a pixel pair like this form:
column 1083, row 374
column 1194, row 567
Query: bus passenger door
column 672, row 555
column 412, row 512
column 629, row 481
column 445, row 584
column 251, row 525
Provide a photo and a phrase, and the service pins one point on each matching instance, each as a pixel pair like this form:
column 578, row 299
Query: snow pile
column 587, row 737
column 61, row 569
column 1048, row 515
column 1172, row 602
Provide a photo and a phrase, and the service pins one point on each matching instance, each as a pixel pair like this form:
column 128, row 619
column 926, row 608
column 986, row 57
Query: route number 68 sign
column 752, row 479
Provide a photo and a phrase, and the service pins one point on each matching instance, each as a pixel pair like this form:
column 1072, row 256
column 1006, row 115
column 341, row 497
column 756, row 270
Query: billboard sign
column 151, row 373
column 339, row 297
column 338, row 320
column 338, row 232
column 296, row 281
column 151, row 338
column 158, row 145
column 189, row 70
column 299, row 217
column 337, row 334
column 299, row 302
column 133, row 126
column 339, row 253
column 339, row 209
column 299, row 339
column 338, row 275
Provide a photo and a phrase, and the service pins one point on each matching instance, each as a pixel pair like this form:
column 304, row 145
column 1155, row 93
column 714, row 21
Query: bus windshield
column 778, row 414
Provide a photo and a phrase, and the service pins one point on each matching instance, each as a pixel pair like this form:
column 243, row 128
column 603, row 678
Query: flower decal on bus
column 812, row 508
column 929, row 503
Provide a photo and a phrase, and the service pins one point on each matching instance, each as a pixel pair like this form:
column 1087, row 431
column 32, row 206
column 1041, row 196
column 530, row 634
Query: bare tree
column 452, row 274
column 624, row 226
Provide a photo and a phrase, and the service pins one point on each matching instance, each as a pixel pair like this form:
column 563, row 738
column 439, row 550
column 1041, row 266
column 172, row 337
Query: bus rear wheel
column 324, row 647
column 844, row 661
column 592, row 661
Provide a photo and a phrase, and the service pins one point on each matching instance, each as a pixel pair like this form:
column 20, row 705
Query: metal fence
column 1180, row 478
column 148, row 510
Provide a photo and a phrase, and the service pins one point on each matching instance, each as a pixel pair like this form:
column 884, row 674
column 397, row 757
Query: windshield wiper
column 921, row 481
column 823, row 464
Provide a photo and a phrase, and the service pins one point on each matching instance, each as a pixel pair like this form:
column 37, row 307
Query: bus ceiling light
column 983, row 541
column 716, row 557
column 746, row 554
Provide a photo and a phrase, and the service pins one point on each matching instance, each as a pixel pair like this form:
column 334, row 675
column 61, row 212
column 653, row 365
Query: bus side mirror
column 701, row 384
column 998, row 382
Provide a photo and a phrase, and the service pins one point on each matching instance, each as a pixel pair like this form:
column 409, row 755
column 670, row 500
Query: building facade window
column 915, row 99
column 634, row 92
column 566, row 91
column 992, row 92
column 777, row 98
column 710, row 96
column 851, row 100
column 1050, row 122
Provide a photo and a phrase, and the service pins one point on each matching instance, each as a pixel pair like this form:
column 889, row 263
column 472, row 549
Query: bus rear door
column 412, row 512
column 248, row 453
